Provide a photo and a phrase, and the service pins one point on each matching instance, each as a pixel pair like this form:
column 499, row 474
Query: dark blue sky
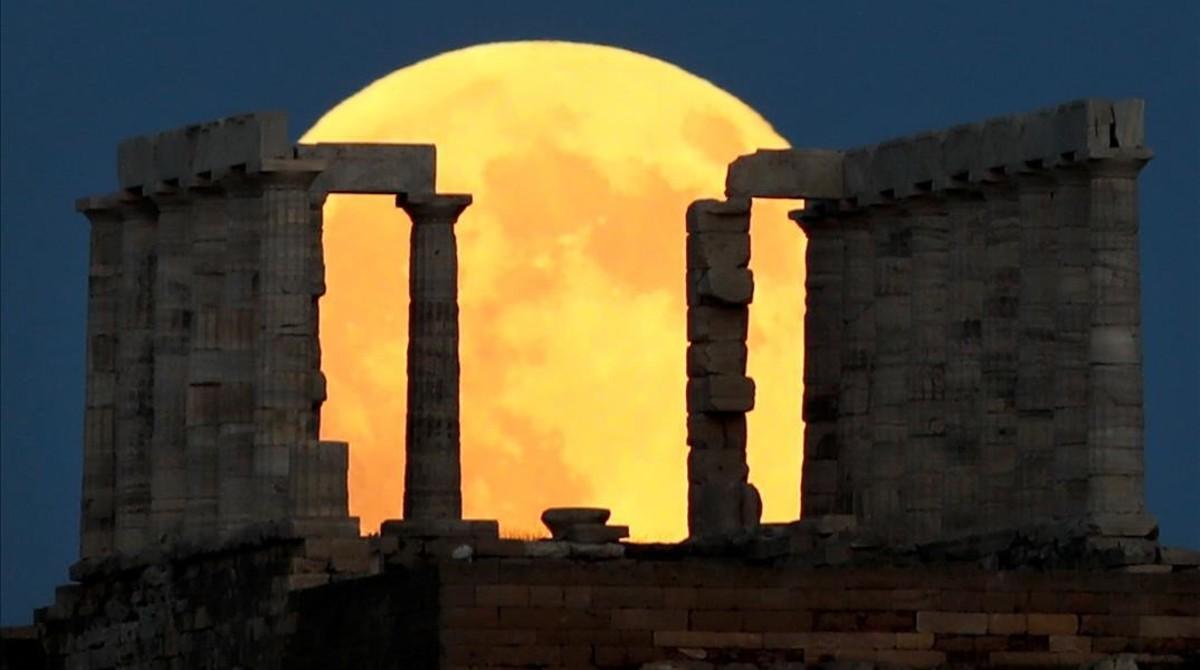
column 79, row 76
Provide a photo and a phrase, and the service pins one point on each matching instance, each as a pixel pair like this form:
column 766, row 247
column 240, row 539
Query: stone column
column 318, row 477
column 1072, row 322
column 719, row 289
column 287, row 369
column 891, row 230
column 432, row 472
column 135, row 373
column 964, row 370
column 97, row 519
column 925, row 458
column 240, row 323
column 998, row 460
column 1115, row 419
column 172, row 334
column 1036, row 349
column 855, row 434
column 825, row 485
column 207, row 366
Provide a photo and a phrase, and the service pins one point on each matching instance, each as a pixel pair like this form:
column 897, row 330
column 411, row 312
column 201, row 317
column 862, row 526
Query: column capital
column 433, row 207
column 122, row 205
column 1126, row 164
column 169, row 198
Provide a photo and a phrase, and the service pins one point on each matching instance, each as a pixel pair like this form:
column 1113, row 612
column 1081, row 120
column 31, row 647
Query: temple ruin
column 972, row 489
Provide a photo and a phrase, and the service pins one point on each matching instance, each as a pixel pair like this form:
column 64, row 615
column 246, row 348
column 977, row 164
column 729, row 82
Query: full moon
column 582, row 160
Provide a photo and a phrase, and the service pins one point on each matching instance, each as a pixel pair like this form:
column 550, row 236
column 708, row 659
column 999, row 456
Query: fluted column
column 855, row 434
column 98, row 504
column 240, row 323
column 891, row 230
column 207, row 368
column 1115, row 419
column 287, row 369
column 925, row 456
column 998, row 360
column 964, row 370
column 172, row 332
column 1072, row 322
column 825, row 486
column 433, row 471
column 1036, row 348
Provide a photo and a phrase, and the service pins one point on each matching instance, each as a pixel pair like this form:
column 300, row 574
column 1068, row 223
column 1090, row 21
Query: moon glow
column 582, row 160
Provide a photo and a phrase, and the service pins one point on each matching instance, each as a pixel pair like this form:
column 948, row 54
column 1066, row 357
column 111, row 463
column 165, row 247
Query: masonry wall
column 267, row 606
column 624, row 613
column 232, row 606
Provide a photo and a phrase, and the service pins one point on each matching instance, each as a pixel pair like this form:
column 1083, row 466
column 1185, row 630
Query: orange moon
column 582, row 160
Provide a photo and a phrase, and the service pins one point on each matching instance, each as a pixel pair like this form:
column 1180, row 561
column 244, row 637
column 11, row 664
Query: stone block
column 717, row 324
column 717, row 431
column 820, row 477
column 787, row 173
column 1115, row 345
column 594, row 533
column 558, row 519
column 720, row 393
column 959, row 623
column 717, row 250
column 721, row 286
column 373, row 168
column 1052, row 624
column 712, row 358
column 717, row 466
column 719, row 216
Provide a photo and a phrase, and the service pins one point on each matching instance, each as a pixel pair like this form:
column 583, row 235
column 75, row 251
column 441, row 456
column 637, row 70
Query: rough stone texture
column 285, row 603
column 719, row 286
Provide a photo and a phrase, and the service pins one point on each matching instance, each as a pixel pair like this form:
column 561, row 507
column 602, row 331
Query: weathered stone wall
column 276, row 605
column 231, row 606
column 713, row 613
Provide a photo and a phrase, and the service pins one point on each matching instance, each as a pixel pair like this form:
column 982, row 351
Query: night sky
column 78, row 77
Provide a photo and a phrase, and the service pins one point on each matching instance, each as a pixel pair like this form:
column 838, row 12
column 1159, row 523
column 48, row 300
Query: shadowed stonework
column 972, row 491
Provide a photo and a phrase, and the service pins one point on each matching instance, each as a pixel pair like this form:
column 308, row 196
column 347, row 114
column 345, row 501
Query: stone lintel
column 787, row 173
column 206, row 149
column 373, row 168
column 1083, row 132
column 1072, row 133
